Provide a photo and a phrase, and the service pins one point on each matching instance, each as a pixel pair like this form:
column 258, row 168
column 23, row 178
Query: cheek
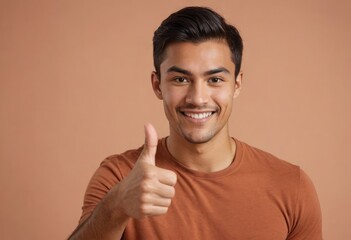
column 173, row 97
column 171, row 100
column 224, row 98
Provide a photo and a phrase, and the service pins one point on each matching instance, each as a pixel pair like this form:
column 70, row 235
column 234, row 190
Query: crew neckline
column 237, row 159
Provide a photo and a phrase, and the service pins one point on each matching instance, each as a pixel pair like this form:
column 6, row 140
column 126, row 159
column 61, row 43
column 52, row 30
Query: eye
column 215, row 80
column 181, row 80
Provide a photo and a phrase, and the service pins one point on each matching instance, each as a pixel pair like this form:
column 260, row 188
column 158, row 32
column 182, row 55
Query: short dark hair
column 196, row 24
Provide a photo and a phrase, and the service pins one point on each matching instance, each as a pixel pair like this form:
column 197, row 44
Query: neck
column 214, row 155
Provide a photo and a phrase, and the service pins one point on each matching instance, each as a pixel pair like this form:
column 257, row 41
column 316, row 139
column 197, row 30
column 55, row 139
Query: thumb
column 150, row 145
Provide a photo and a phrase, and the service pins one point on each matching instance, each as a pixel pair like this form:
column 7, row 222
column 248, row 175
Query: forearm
column 146, row 191
column 104, row 223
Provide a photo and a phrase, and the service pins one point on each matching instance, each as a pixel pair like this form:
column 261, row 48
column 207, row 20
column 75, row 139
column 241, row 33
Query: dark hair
column 196, row 24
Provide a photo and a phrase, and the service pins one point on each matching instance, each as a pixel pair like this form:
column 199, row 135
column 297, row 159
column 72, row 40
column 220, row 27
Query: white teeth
column 199, row 115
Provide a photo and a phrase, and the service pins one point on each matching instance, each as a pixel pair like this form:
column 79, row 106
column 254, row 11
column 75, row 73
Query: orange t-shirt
column 257, row 197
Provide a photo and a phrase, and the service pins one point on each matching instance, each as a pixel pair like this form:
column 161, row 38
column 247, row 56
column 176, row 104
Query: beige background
column 74, row 88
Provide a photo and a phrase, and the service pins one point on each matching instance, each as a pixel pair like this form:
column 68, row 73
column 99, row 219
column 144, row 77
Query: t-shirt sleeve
column 105, row 177
column 308, row 217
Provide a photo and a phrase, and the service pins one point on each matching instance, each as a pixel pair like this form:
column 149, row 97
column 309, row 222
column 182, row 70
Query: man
column 199, row 182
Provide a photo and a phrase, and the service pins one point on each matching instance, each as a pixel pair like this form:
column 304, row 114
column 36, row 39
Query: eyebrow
column 217, row 70
column 209, row 72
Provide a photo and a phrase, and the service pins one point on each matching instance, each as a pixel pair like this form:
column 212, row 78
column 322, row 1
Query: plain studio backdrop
column 75, row 88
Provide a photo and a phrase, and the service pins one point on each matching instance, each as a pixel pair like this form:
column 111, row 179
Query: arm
column 108, row 220
column 146, row 191
column 307, row 213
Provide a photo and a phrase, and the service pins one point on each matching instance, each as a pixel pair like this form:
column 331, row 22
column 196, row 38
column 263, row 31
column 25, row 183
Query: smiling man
column 199, row 182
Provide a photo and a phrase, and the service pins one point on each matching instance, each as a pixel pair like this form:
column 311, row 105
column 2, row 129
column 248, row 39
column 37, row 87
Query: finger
column 164, row 191
column 150, row 146
column 156, row 200
column 166, row 176
column 153, row 210
column 162, row 202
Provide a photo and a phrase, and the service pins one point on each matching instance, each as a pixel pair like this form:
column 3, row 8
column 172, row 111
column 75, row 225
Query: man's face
column 197, row 87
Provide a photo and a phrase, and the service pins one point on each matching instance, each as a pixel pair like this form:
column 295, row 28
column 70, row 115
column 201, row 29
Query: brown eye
column 180, row 80
column 215, row 80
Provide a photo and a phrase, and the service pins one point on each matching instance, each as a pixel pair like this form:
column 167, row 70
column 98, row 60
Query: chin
column 196, row 138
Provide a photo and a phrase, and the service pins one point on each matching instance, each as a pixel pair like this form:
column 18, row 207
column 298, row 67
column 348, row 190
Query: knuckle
column 145, row 186
column 172, row 192
column 144, row 209
column 168, row 202
column 150, row 174
column 143, row 199
column 172, row 177
column 164, row 210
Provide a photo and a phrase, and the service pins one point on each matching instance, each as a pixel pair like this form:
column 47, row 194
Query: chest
column 222, row 209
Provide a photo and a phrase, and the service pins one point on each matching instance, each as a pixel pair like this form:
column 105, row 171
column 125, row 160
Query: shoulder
column 289, row 186
column 110, row 172
column 113, row 169
column 119, row 164
column 260, row 160
column 273, row 176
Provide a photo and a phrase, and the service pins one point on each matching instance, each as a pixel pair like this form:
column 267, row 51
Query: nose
column 198, row 94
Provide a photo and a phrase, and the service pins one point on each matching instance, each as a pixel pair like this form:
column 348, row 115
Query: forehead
column 198, row 57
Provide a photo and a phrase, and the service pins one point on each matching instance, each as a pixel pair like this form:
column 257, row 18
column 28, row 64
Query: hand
column 147, row 190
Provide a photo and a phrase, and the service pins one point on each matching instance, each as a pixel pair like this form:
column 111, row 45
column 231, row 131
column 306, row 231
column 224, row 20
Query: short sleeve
column 105, row 177
column 307, row 214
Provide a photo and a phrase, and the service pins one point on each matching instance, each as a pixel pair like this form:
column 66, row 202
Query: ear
column 238, row 84
column 156, row 85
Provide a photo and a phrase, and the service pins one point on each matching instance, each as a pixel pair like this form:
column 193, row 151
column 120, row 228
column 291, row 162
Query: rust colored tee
column 257, row 197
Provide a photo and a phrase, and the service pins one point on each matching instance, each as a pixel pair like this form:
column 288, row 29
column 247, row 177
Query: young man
column 198, row 183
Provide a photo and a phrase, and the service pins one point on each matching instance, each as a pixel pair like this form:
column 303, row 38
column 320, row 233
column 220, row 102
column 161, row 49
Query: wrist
column 112, row 206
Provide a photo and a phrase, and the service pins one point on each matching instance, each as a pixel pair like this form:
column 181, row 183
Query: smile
column 198, row 115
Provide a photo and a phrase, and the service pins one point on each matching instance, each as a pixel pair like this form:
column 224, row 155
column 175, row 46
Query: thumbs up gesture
column 148, row 189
